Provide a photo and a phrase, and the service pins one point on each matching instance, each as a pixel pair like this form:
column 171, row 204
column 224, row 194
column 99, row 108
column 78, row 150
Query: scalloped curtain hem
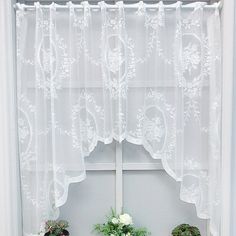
column 80, row 178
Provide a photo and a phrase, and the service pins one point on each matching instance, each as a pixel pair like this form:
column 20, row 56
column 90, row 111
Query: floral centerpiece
column 119, row 225
column 186, row 230
column 56, row 228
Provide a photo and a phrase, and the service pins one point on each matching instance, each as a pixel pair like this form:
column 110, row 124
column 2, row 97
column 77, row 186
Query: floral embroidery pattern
column 193, row 73
column 155, row 125
column 26, row 112
column 52, row 56
column 191, row 57
column 115, row 59
column 155, row 129
column 118, row 66
column 155, row 21
column 84, row 125
column 23, row 130
column 55, row 65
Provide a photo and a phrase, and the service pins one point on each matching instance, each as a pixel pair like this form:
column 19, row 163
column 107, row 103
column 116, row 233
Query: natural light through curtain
column 150, row 75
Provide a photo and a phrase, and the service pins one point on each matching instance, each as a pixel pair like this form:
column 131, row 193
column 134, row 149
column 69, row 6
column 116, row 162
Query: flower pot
column 65, row 233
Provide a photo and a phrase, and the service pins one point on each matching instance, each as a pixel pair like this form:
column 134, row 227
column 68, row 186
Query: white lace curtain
column 150, row 74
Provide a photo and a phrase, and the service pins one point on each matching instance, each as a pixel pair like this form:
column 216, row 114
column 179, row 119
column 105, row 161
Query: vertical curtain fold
column 10, row 197
column 149, row 74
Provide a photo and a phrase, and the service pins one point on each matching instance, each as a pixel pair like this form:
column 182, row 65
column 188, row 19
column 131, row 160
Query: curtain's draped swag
column 150, row 74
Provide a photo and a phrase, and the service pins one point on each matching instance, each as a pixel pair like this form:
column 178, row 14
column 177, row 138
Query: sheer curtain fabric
column 150, row 74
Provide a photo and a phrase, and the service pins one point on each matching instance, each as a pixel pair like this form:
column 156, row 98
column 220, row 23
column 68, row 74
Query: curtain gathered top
column 150, row 74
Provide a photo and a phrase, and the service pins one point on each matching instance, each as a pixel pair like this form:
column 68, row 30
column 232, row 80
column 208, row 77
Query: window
column 126, row 175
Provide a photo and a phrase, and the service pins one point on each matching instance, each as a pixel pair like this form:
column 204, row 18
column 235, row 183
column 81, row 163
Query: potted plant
column 186, row 230
column 56, row 228
column 119, row 225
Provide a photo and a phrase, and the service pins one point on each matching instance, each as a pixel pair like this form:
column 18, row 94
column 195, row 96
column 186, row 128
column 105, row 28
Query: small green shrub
column 56, row 228
column 186, row 230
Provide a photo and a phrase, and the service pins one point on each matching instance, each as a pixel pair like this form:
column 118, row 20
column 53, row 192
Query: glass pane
column 89, row 201
column 103, row 153
column 136, row 154
column 157, row 206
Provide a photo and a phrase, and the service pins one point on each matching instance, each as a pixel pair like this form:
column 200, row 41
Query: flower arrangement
column 56, row 228
column 186, row 230
column 119, row 225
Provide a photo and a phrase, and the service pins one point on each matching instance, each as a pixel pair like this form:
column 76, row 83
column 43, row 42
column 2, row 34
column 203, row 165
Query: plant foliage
column 186, row 230
column 119, row 225
column 55, row 228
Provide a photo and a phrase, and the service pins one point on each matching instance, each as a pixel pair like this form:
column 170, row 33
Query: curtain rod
column 216, row 5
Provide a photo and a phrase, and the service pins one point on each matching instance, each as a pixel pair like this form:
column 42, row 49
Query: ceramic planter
column 64, row 233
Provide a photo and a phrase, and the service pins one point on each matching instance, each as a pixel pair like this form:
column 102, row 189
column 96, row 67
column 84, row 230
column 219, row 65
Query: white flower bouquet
column 119, row 225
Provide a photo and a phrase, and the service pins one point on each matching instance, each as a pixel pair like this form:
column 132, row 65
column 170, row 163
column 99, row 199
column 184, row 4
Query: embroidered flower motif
column 115, row 23
column 155, row 21
column 192, row 89
column 141, row 11
column 191, row 57
column 23, row 130
column 84, row 122
column 190, row 22
column 54, row 63
column 118, row 56
column 19, row 17
column 80, row 22
column 154, row 129
column 87, row 130
column 86, row 126
column 45, row 25
column 151, row 22
column 194, row 72
column 191, row 192
column 48, row 59
column 115, row 59
column 156, row 126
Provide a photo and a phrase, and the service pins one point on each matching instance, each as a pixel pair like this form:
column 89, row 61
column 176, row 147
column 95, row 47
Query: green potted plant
column 186, row 230
column 56, row 228
column 119, row 225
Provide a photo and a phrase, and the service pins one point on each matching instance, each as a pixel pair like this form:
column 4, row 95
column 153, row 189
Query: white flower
column 125, row 219
column 112, row 235
column 115, row 221
column 128, row 234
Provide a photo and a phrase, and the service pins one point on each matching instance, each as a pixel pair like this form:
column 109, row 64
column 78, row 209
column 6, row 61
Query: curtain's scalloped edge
column 212, row 229
column 69, row 180
column 80, row 178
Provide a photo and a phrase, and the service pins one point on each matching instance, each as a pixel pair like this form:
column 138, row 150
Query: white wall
column 227, row 15
column 233, row 159
column 151, row 196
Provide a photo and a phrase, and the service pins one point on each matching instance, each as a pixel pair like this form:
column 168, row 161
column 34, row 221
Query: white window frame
column 227, row 15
